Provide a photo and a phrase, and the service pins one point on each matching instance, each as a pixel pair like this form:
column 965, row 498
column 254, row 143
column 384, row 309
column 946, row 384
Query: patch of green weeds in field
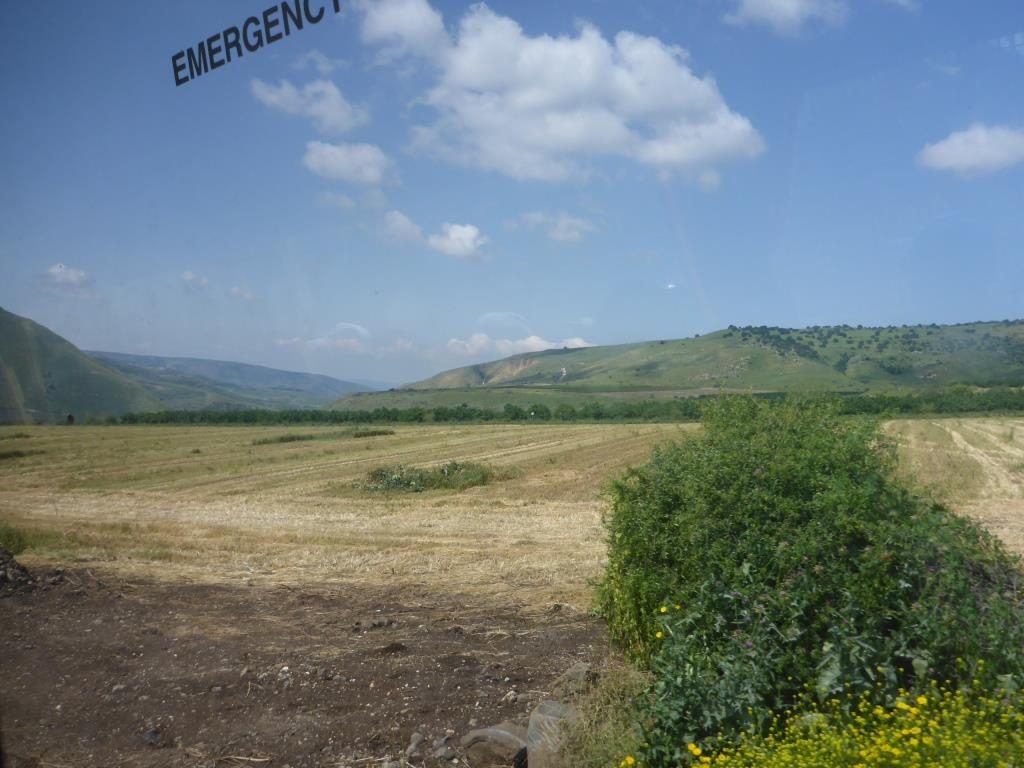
column 372, row 432
column 296, row 438
column 16, row 436
column 454, row 476
column 157, row 554
column 17, row 454
column 606, row 729
column 17, row 539
column 291, row 438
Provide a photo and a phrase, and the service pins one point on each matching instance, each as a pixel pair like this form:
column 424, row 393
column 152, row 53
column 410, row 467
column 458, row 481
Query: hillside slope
column 186, row 383
column 44, row 377
column 816, row 359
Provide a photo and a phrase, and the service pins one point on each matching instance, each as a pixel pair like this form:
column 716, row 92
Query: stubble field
column 227, row 596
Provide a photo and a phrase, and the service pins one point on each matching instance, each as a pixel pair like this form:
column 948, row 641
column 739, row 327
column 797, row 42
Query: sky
column 408, row 186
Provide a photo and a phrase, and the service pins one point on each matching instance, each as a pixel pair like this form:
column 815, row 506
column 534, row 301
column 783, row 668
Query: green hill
column 762, row 359
column 44, row 377
column 186, row 383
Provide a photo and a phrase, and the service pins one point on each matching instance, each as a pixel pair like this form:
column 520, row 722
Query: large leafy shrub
column 777, row 552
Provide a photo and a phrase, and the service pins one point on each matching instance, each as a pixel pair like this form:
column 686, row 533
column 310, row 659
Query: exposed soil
column 97, row 671
column 14, row 577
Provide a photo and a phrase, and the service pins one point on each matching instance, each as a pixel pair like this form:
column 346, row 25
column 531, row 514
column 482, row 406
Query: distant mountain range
column 188, row 383
column 762, row 359
column 44, row 377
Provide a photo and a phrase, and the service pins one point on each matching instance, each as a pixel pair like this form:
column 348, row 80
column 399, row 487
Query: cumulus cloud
column 400, row 227
column 977, row 150
column 670, row 286
column 403, row 27
column 788, row 16
column 62, row 280
column 321, row 101
column 480, row 344
column 60, row 274
column 355, row 163
column 477, row 344
column 191, row 280
column 460, row 241
column 539, row 107
column 560, row 227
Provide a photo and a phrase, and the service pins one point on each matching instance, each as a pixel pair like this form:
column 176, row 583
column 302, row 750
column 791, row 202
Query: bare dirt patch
column 106, row 672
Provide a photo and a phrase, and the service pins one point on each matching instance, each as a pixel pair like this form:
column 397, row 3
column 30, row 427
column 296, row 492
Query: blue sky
column 410, row 186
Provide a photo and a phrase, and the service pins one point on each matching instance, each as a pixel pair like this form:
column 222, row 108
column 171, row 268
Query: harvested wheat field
column 212, row 596
column 976, row 466
column 233, row 593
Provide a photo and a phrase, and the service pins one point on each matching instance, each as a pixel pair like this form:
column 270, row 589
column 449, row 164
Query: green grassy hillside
column 44, row 377
column 185, row 383
column 817, row 359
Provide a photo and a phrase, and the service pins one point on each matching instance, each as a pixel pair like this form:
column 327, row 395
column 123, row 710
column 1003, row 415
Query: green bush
column 455, row 475
column 777, row 551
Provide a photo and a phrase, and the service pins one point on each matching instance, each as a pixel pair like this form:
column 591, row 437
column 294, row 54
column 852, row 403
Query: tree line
column 956, row 400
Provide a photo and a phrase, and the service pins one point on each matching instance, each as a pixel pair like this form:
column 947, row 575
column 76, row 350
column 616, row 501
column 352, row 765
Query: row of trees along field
column 956, row 400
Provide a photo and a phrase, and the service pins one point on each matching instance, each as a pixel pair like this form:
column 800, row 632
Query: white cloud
column 400, row 227
column 788, row 16
column 539, row 107
column 477, row 344
column 460, row 241
column 244, row 294
column 354, row 163
column 319, row 61
column 560, row 227
column 670, row 286
column 321, row 101
column 62, row 280
column 192, row 280
column 403, row 27
column 977, row 150
column 480, row 344
column 59, row 274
